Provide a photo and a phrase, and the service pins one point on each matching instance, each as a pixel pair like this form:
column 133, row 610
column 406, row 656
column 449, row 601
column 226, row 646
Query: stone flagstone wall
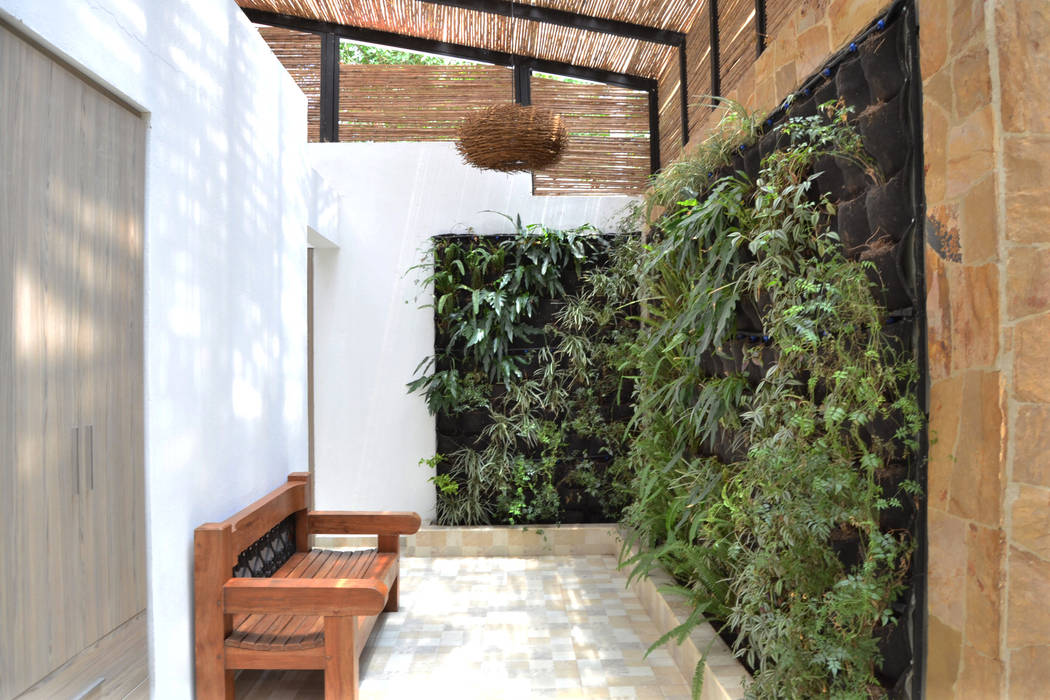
column 986, row 81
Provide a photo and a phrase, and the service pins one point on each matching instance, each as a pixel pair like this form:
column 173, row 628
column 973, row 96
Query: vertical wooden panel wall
column 72, row 549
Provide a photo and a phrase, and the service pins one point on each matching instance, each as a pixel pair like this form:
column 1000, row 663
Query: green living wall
column 736, row 370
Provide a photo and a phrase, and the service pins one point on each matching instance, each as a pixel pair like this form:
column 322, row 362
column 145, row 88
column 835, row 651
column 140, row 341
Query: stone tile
column 1027, row 282
column 1032, row 360
column 814, row 47
column 1027, row 163
column 1030, row 519
column 943, row 657
column 979, row 224
column 971, row 81
column 938, row 316
column 809, row 15
column 933, row 46
column 786, row 79
column 766, row 93
column 976, row 486
column 970, row 151
column 1024, row 64
column 947, row 567
column 1032, row 445
column 937, row 90
column 1026, row 217
column 1029, row 670
column 981, row 677
column 942, row 231
column 983, row 593
column 848, row 17
column 974, row 301
column 1028, row 591
column 935, row 151
column 945, row 410
column 967, row 26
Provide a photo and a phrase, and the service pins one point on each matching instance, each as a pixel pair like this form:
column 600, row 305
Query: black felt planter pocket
column 853, row 228
column 886, row 136
column 888, row 285
column 880, row 58
column 830, row 180
column 806, row 107
column 852, row 86
column 889, row 208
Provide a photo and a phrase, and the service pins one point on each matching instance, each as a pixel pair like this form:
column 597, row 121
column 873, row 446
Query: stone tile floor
column 503, row 627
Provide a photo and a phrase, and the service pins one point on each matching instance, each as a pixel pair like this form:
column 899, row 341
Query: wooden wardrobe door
column 41, row 595
column 111, row 370
column 71, row 484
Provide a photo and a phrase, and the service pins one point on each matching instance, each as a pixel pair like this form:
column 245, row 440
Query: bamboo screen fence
column 608, row 146
column 518, row 36
column 416, row 103
column 737, row 41
column 300, row 54
column 738, row 26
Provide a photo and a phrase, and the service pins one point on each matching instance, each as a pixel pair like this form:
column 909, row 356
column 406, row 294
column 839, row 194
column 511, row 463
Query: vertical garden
column 738, row 386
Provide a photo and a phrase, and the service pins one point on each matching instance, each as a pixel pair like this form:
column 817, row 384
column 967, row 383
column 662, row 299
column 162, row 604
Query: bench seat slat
column 306, row 630
column 279, row 632
column 256, row 625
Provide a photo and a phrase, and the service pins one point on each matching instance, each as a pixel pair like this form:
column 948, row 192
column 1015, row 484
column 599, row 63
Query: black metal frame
column 760, row 27
column 330, row 60
column 523, row 81
column 716, row 68
column 329, row 87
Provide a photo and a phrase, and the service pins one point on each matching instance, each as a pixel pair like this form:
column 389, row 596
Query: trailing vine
column 728, row 387
column 764, row 459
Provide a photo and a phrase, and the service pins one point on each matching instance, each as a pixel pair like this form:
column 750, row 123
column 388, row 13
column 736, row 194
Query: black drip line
column 827, row 72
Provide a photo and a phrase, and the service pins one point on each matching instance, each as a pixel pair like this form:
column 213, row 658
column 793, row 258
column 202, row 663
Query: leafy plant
column 542, row 390
column 759, row 457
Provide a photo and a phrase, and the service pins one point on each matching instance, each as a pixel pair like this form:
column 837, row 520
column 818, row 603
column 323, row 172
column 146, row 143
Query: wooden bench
column 310, row 609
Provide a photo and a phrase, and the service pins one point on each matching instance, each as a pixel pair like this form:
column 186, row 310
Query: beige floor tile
column 500, row 627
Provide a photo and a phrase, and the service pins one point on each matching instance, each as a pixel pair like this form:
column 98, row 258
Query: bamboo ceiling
column 514, row 35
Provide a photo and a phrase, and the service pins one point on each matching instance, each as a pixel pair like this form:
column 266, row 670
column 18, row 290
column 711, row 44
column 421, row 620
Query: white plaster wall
column 225, row 261
column 369, row 330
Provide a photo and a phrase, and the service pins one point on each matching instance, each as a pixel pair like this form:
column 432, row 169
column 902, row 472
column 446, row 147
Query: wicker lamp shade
column 511, row 138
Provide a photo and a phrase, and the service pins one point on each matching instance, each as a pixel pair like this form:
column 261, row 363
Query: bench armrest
column 334, row 522
column 296, row 596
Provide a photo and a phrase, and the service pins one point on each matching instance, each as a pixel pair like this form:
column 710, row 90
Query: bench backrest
column 217, row 547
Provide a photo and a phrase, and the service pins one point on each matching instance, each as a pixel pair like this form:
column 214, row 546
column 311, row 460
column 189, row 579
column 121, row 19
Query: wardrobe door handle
column 91, row 457
column 76, row 461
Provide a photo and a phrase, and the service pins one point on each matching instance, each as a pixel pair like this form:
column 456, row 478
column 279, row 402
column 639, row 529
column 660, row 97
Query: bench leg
column 215, row 683
column 391, row 599
column 340, row 659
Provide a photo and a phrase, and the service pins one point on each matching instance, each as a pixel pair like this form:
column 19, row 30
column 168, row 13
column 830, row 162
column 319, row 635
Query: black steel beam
column 523, row 81
column 716, row 72
column 548, row 15
column 683, row 91
column 470, row 53
column 654, row 130
column 444, row 48
column 329, row 87
column 760, row 26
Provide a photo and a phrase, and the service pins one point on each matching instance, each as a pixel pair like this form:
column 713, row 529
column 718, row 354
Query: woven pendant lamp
column 511, row 138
